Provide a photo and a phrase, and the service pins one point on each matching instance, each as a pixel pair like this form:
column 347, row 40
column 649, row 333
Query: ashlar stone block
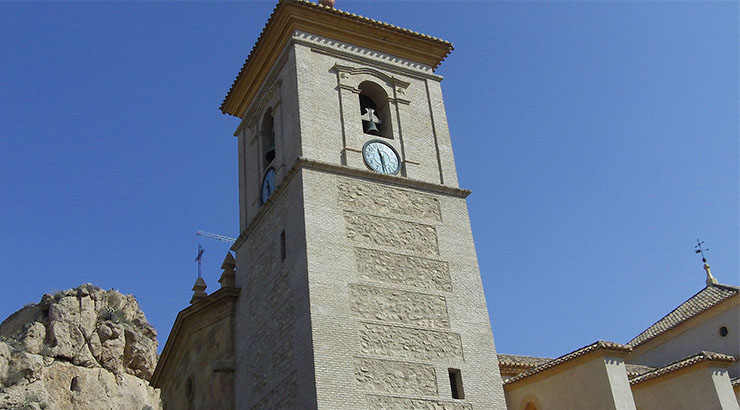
column 406, row 343
column 377, row 198
column 409, row 308
column 385, row 376
column 401, row 269
column 372, row 230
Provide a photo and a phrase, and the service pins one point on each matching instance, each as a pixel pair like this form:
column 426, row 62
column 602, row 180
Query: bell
column 370, row 128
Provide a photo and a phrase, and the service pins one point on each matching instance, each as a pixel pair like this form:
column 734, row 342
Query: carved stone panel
column 410, row 308
column 403, row 270
column 399, row 403
column 385, row 376
column 377, row 231
column 377, row 198
column 405, row 343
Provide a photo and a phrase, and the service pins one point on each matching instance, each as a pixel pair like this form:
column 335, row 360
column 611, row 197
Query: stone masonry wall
column 408, row 328
column 273, row 370
column 393, row 280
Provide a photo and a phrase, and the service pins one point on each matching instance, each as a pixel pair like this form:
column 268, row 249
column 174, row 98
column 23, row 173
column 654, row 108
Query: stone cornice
column 386, row 62
column 292, row 15
column 601, row 347
column 342, row 69
column 710, row 358
column 306, row 163
column 174, row 342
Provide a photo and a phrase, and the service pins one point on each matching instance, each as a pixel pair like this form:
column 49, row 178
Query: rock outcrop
column 82, row 348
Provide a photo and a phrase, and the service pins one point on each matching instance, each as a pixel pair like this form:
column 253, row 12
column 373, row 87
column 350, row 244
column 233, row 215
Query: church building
column 354, row 282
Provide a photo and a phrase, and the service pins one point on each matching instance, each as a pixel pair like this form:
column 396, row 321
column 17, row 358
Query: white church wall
column 696, row 387
column 702, row 336
column 620, row 385
column 587, row 384
column 725, row 393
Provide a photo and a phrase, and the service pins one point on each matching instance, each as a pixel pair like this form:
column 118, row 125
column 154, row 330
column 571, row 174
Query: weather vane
column 699, row 248
column 199, row 258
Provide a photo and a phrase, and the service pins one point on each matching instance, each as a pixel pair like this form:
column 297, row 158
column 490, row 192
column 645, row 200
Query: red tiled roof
column 680, row 364
column 706, row 299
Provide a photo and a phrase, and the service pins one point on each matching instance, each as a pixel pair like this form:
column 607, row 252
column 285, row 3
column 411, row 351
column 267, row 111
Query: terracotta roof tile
column 634, row 370
column 306, row 3
column 599, row 345
column 680, row 364
column 517, row 361
column 707, row 298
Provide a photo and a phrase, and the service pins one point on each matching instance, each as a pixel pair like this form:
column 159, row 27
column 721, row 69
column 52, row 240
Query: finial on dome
column 199, row 290
column 711, row 280
column 327, row 3
column 228, row 277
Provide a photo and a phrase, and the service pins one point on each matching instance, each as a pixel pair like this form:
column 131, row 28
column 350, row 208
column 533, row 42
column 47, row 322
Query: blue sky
column 600, row 140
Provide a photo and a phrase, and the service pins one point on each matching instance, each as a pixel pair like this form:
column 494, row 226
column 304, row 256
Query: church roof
column 600, row 345
column 683, row 363
column 706, row 299
column 634, row 370
column 523, row 362
column 290, row 15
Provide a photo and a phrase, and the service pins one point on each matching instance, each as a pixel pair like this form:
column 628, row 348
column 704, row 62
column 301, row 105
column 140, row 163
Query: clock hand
column 382, row 161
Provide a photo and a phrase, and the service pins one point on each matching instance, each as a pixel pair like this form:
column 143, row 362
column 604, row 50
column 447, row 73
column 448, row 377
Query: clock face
column 268, row 184
column 381, row 157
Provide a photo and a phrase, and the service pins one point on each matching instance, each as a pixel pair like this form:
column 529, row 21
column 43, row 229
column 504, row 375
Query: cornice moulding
column 306, row 163
column 292, row 15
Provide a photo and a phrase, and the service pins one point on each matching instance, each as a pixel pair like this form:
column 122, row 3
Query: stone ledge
column 710, row 357
column 302, row 162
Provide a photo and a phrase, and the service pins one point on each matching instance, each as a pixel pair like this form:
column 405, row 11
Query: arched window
column 189, row 392
column 268, row 138
column 374, row 110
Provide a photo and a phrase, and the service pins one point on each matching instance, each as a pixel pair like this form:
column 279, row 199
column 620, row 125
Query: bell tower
column 359, row 283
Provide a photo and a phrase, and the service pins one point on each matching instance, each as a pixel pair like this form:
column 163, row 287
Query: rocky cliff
column 82, row 348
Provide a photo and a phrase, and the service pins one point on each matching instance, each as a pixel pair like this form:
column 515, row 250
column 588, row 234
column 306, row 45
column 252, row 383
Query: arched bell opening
column 374, row 110
column 268, row 138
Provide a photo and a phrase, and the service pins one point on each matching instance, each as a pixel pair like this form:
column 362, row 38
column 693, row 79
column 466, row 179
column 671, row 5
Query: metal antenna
column 700, row 250
column 218, row 237
column 199, row 257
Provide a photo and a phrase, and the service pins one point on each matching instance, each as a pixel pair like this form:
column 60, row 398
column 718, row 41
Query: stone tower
column 359, row 283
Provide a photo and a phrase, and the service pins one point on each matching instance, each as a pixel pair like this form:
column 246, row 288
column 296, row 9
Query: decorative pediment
column 346, row 71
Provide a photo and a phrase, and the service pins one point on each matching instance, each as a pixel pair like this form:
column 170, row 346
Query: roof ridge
column 634, row 342
column 726, row 286
column 597, row 345
column 682, row 363
column 523, row 355
column 327, row 10
column 668, row 314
